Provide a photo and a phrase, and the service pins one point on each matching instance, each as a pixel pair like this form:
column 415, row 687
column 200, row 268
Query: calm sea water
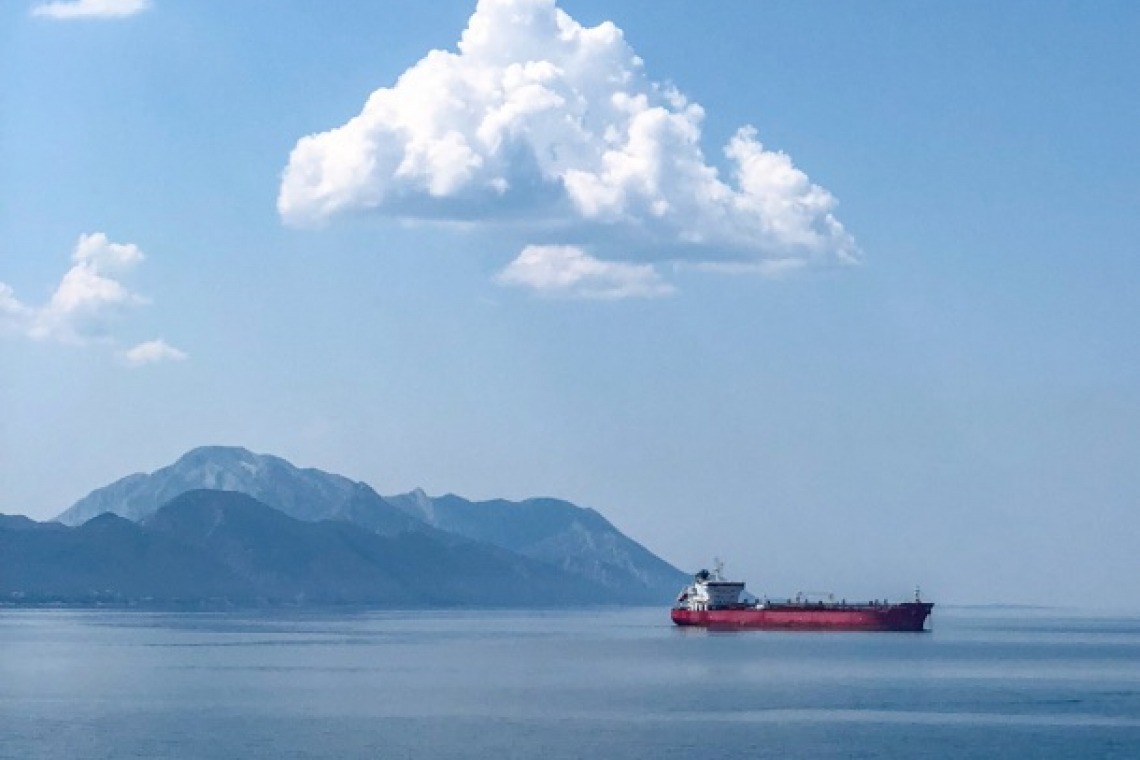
column 610, row 684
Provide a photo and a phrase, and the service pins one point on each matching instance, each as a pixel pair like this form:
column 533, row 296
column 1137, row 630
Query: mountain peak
column 216, row 454
column 304, row 494
column 224, row 468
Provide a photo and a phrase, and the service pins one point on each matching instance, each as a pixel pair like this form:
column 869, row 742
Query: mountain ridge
column 226, row 548
column 574, row 540
column 303, row 493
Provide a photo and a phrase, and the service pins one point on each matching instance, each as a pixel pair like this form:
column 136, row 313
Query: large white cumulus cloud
column 536, row 113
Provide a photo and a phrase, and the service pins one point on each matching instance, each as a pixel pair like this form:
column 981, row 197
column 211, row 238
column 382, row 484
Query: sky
column 845, row 294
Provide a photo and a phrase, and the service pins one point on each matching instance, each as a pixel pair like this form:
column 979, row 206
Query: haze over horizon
column 843, row 294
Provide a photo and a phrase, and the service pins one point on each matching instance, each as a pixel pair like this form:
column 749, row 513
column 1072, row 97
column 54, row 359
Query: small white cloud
column 14, row 316
column 566, row 271
column 88, row 297
column 153, row 351
column 90, row 9
column 534, row 112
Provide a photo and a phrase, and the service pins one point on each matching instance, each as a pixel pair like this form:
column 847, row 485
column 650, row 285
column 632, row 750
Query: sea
column 549, row 685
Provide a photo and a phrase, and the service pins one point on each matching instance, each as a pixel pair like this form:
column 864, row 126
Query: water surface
column 552, row 685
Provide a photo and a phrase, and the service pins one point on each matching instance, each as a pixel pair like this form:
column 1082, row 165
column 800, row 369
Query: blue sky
column 886, row 338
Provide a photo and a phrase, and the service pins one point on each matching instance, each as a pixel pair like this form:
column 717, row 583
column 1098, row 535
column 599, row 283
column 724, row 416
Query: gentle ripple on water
column 597, row 684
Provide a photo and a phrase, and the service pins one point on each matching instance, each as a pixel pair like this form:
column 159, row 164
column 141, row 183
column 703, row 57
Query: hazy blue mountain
column 572, row 538
column 107, row 558
column 305, row 494
column 226, row 547
column 20, row 522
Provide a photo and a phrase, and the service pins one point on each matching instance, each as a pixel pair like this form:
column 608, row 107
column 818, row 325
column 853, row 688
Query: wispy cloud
column 566, row 271
column 90, row 298
column 537, row 113
column 90, row 9
column 153, row 351
column 12, row 312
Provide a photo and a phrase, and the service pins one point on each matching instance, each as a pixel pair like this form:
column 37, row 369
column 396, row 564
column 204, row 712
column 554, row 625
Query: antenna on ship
column 917, row 594
column 718, row 566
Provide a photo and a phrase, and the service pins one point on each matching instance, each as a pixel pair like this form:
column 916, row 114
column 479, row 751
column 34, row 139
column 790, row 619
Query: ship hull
column 909, row 616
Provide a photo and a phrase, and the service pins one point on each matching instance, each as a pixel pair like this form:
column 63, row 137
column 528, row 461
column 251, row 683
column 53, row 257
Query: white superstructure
column 710, row 591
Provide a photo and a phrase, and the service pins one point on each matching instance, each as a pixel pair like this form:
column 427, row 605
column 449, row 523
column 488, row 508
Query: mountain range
column 223, row 525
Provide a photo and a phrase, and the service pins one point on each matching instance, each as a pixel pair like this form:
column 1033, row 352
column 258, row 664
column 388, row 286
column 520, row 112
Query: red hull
column 908, row 616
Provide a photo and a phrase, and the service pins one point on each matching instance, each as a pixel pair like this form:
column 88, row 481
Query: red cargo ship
column 713, row 602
